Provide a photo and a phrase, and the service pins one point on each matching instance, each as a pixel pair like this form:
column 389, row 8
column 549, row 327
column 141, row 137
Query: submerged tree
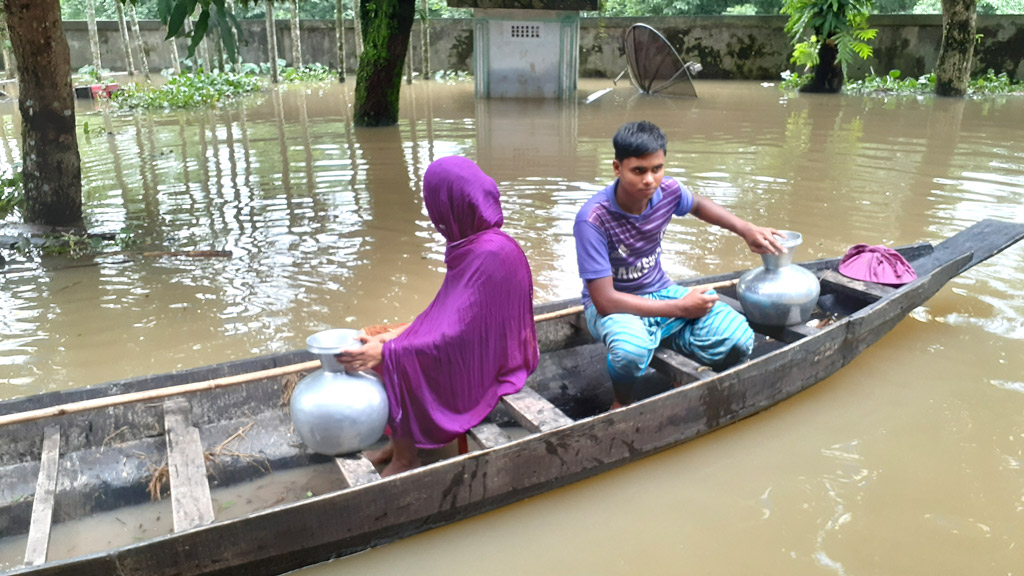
column 52, row 166
column 386, row 27
column 953, row 69
column 826, row 36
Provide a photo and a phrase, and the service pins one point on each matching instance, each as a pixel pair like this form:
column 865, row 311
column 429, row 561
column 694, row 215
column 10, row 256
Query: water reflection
column 326, row 228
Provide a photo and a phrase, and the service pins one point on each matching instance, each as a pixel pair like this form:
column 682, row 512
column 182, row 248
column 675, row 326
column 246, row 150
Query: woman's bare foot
column 379, row 457
column 404, row 457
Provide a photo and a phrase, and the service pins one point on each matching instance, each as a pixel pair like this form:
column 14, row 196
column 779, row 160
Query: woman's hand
column 367, row 356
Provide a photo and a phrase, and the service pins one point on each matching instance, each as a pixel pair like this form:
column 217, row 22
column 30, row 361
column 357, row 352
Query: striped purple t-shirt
column 610, row 242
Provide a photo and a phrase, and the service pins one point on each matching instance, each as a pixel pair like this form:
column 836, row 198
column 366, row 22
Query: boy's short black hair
column 638, row 139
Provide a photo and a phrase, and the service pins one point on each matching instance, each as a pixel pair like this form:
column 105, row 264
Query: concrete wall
column 728, row 47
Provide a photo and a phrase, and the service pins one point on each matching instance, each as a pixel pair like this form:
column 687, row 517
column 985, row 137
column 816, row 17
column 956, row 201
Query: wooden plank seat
column 489, row 435
column 356, row 470
column 191, row 504
column 870, row 291
column 681, row 369
column 42, row 503
column 534, row 412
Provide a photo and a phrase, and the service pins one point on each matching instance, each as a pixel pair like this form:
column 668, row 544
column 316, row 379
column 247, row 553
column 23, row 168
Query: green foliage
column 634, row 8
column 741, row 10
column 12, row 193
column 310, row 73
column 105, row 9
column 992, row 83
column 212, row 14
column 78, row 245
column 190, row 91
column 894, row 84
column 93, row 75
column 891, row 83
column 792, row 81
column 841, row 22
column 68, row 244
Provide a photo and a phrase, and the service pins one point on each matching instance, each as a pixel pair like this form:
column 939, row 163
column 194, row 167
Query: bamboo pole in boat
column 108, row 401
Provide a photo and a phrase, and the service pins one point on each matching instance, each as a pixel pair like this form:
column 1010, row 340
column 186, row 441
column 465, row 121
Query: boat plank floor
column 42, row 503
column 534, row 412
column 489, row 435
column 356, row 470
column 190, row 491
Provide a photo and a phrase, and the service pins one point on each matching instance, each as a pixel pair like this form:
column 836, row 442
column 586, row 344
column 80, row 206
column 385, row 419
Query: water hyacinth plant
column 893, row 83
column 192, row 90
column 308, row 74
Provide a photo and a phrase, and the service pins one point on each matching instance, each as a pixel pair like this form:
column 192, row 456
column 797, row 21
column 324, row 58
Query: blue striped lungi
column 720, row 336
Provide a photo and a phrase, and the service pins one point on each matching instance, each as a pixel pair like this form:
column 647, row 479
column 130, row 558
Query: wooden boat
column 63, row 457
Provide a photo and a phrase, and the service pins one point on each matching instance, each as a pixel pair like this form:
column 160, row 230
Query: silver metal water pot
column 333, row 411
column 779, row 293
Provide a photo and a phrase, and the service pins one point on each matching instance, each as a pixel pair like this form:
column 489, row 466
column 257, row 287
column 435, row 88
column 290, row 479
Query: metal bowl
column 326, row 343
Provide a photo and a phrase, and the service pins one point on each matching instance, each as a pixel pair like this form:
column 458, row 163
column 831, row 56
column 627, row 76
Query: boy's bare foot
column 379, row 457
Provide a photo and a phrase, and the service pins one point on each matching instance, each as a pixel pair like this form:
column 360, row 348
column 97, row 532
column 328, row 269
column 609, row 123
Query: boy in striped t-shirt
column 629, row 302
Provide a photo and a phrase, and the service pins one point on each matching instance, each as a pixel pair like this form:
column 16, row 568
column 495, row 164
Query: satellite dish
column 654, row 65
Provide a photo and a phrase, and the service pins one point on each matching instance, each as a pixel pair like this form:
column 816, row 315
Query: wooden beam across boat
column 356, row 470
column 489, row 435
column 534, row 412
column 191, row 503
column 870, row 291
column 42, row 503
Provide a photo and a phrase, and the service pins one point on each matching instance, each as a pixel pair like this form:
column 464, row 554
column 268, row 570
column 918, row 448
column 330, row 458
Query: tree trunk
column 204, row 51
column 425, row 41
column 828, row 74
column 358, row 21
column 275, row 77
column 143, row 59
column 953, row 69
column 237, row 62
column 296, row 36
column 339, row 25
column 94, row 35
column 386, row 28
column 52, row 167
column 122, row 26
column 5, row 51
column 408, row 64
column 175, row 57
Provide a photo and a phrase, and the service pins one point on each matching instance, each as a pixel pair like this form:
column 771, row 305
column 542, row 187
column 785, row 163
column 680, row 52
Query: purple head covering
column 876, row 264
column 476, row 341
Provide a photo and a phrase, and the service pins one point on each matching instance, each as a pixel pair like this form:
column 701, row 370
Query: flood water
column 908, row 461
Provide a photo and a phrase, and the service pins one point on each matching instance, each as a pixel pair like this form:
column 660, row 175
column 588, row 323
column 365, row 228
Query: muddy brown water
column 907, row 461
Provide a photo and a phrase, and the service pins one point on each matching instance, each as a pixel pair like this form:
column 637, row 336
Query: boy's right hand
column 696, row 303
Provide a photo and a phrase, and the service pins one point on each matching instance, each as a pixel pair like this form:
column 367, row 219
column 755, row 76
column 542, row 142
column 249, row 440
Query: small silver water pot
column 779, row 293
column 333, row 411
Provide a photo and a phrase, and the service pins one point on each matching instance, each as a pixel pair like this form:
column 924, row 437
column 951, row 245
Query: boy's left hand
column 763, row 240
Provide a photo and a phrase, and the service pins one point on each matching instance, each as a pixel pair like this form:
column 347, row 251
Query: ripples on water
column 326, row 228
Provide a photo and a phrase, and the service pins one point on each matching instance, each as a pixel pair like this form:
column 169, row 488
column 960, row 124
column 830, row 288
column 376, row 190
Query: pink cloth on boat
column 876, row 264
column 477, row 340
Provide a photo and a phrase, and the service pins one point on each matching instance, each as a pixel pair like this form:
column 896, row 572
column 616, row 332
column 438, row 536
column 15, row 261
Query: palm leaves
column 841, row 22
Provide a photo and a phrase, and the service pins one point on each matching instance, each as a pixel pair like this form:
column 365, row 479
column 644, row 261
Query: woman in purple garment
column 475, row 342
